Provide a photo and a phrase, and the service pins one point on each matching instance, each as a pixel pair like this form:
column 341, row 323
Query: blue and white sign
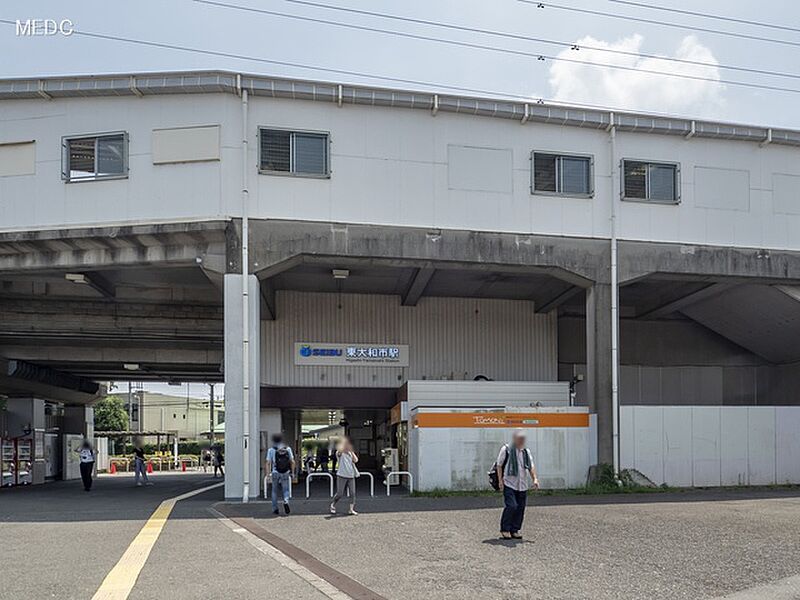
column 373, row 355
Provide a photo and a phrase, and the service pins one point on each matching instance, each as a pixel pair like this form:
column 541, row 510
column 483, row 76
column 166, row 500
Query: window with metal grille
column 294, row 152
column 94, row 157
column 561, row 174
column 650, row 181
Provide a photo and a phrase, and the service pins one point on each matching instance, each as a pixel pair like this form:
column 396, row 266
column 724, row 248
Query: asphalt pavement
column 57, row 541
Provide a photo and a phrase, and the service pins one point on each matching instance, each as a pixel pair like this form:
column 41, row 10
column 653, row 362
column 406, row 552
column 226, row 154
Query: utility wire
column 708, row 15
column 501, row 34
column 600, row 13
column 538, row 56
column 490, row 94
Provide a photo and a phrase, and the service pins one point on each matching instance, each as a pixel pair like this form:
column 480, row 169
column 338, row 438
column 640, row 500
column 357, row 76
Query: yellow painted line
column 120, row 580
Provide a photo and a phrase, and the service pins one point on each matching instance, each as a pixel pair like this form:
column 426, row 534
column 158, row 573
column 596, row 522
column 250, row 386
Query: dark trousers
column 86, row 474
column 514, row 510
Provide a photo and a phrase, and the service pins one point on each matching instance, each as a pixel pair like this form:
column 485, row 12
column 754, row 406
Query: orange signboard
column 501, row 419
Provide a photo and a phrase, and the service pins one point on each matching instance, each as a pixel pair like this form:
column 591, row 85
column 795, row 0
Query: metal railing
column 371, row 482
column 267, row 483
column 398, row 473
column 311, row 475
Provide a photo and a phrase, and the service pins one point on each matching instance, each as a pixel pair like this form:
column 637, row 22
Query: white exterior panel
column 447, row 337
column 713, row 445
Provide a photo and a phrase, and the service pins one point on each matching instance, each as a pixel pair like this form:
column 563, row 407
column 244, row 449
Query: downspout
column 245, row 310
column 615, row 193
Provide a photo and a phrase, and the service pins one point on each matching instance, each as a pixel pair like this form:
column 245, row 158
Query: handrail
column 398, row 473
column 266, row 486
column 318, row 474
column 371, row 482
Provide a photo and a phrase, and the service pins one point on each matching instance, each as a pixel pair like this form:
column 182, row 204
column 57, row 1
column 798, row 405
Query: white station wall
column 447, row 337
column 459, row 458
column 392, row 167
column 712, row 445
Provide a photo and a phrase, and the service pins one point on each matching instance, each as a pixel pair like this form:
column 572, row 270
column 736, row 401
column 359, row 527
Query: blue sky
column 188, row 23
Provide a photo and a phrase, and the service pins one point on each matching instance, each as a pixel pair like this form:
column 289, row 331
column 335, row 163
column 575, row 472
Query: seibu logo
column 306, row 351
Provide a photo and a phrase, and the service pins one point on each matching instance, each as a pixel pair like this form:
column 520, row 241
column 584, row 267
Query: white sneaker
column 352, row 511
column 333, row 509
column 138, row 484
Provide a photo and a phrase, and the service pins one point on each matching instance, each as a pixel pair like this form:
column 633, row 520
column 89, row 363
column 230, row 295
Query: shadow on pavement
column 112, row 498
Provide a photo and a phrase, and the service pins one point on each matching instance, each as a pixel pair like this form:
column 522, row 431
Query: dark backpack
column 283, row 462
column 493, row 479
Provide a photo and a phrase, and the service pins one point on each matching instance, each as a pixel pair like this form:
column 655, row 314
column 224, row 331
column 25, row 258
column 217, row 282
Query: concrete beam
column 638, row 260
column 269, row 311
column 99, row 284
column 417, row 286
column 711, row 290
column 577, row 261
column 88, row 249
column 555, row 301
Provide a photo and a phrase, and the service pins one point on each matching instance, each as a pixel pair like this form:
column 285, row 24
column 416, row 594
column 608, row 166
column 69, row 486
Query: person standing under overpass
column 513, row 465
column 346, row 475
column 279, row 466
column 87, row 464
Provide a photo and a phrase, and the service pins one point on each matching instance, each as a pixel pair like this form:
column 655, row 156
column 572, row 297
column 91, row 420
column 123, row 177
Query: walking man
column 219, row 461
column 139, row 464
column 87, row 464
column 279, row 467
column 514, row 464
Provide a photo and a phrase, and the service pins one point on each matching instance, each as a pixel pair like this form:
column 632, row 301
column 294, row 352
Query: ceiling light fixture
column 341, row 273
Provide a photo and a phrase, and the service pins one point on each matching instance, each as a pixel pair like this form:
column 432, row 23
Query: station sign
column 490, row 420
column 342, row 355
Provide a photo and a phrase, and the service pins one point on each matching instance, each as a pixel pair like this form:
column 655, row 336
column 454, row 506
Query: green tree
column 110, row 415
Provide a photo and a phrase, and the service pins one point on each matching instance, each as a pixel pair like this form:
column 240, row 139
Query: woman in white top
column 346, row 474
column 87, row 464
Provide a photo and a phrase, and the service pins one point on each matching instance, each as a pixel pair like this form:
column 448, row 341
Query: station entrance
column 313, row 422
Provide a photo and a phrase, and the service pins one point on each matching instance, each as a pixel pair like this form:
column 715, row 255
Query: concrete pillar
column 234, row 401
column 598, row 365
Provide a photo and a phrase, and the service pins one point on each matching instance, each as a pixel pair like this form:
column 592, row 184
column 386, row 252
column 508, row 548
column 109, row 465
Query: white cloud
column 637, row 90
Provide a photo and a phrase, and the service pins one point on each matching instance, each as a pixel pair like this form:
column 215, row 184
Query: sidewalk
column 699, row 544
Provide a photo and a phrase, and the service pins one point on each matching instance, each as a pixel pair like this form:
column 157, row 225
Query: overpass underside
column 164, row 303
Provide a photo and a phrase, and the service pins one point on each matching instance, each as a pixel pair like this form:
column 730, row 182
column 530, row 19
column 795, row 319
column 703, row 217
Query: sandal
column 505, row 535
column 516, row 535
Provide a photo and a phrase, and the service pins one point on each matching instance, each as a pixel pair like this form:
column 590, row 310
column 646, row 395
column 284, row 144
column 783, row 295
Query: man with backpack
column 513, row 465
column 279, row 467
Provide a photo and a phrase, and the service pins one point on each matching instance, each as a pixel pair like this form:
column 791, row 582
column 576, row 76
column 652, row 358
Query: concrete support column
column 234, row 401
column 598, row 365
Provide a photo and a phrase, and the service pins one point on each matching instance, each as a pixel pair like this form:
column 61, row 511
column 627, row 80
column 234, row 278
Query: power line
column 500, row 34
column 708, row 15
column 282, row 63
column 537, row 56
column 487, row 93
column 600, row 13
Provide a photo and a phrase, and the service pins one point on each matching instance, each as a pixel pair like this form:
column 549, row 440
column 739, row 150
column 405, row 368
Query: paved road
column 57, row 541
column 691, row 545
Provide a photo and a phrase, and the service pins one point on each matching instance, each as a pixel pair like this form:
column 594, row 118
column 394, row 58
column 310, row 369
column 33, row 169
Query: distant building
column 162, row 412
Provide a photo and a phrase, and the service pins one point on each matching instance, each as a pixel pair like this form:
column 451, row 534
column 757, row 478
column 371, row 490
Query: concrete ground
column 700, row 544
column 57, row 541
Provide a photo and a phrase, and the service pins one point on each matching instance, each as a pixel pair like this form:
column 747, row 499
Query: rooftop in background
column 198, row 82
